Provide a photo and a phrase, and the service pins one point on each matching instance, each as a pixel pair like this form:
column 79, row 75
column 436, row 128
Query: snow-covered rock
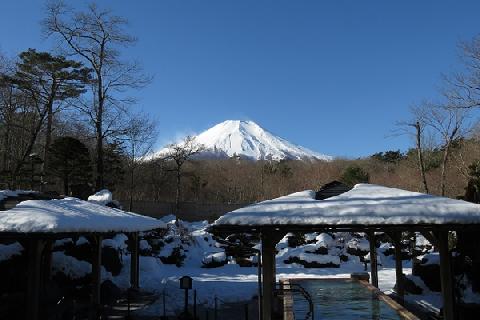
column 101, row 197
column 217, row 257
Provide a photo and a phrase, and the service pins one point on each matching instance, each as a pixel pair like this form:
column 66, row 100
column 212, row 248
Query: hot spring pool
column 340, row 299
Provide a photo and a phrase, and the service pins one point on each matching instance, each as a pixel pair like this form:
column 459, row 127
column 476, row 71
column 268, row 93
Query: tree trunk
column 100, row 184
column 177, row 195
column 420, row 156
column 444, row 168
column 48, row 140
column 28, row 150
column 132, row 178
column 65, row 184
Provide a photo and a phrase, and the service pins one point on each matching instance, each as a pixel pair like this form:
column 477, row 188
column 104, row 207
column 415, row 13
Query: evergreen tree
column 70, row 162
column 114, row 173
column 47, row 81
column 353, row 175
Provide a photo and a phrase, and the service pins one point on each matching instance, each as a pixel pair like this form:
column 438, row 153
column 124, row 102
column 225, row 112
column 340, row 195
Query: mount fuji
column 248, row 140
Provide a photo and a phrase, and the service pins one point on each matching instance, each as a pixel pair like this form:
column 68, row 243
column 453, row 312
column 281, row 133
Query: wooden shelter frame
column 38, row 247
column 271, row 234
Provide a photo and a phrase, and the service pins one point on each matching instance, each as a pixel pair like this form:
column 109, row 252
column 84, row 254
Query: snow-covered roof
column 365, row 204
column 72, row 215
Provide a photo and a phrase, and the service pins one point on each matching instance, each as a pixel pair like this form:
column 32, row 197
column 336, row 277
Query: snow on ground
column 231, row 283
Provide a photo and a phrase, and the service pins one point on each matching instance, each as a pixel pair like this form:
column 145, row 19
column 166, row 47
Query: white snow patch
column 101, row 197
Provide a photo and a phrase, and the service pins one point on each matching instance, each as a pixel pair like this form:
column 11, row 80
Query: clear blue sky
column 333, row 76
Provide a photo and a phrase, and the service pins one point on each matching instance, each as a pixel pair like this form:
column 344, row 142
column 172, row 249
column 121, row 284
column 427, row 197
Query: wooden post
column 96, row 274
column 259, row 277
column 397, row 241
column 268, row 274
column 34, row 278
column 446, row 275
column 373, row 259
column 134, row 261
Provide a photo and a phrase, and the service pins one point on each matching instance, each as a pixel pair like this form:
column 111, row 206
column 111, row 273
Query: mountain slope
column 248, row 140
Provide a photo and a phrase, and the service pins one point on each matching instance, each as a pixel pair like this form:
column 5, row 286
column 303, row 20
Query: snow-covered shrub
column 214, row 260
column 295, row 239
column 358, row 247
column 175, row 257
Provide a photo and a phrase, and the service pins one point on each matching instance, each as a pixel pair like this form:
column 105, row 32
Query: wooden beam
column 134, row 261
column 34, row 276
column 96, row 242
column 373, row 259
column 446, row 275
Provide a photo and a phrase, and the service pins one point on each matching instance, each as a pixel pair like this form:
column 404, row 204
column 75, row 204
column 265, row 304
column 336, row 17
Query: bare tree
column 418, row 125
column 448, row 122
column 139, row 138
column 97, row 36
column 179, row 154
column 463, row 88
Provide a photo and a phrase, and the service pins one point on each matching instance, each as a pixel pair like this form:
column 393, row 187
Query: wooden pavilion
column 40, row 222
column 366, row 208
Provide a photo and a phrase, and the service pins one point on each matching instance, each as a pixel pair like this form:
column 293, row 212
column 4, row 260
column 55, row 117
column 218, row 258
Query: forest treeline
column 70, row 124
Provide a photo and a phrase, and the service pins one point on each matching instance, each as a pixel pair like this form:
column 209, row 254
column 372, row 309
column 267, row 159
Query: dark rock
column 343, row 257
column 109, row 292
column 356, row 252
column 214, row 264
column 296, row 240
column 321, row 250
column 243, row 262
column 111, row 260
column 311, row 264
column 429, row 273
column 80, row 252
column 410, row 286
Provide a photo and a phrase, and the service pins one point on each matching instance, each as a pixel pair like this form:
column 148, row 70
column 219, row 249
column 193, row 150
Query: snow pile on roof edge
column 365, row 204
column 72, row 215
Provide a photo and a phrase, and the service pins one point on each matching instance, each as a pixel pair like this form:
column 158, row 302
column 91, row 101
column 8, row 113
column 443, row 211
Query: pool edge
column 287, row 300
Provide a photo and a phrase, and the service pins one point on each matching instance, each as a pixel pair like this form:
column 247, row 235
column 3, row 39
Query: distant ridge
column 248, row 140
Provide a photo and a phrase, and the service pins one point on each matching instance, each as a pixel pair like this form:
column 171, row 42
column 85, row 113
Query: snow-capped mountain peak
column 247, row 139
